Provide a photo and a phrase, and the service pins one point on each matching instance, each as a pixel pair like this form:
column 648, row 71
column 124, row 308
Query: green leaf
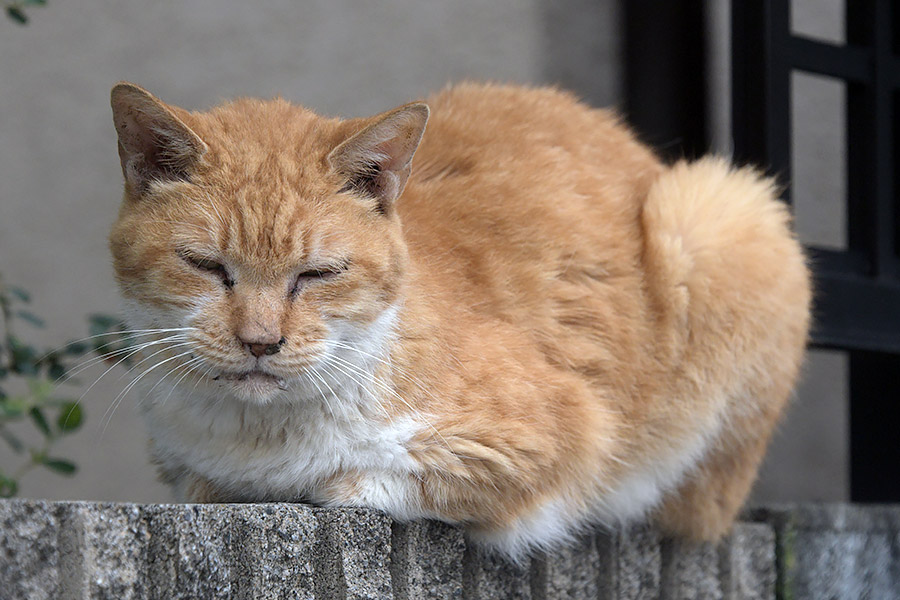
column 19, row 292
column 39, row 421
column 13, row 408
column 15, row 13
column 76, row 348
column 23, row 357
column 69, row 417
column 25, row 367
column 56, row 372
column 8, row 487
column 14, row 442
column 40, row 389
column 59, row 465
column 32, row 318
column 100, row 323
column 34, row 2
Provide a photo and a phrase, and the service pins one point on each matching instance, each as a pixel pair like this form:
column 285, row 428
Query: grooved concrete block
column 362, row 541
column 29, row 554
column 836, row 551
column 638, row 563
column 831, row 517
column 427, row 561
column 492, row 577
column 276, row 546
column 838, row 565
column 608, row 576
column 205, row 549
column 748, row 562
column 231, row 551
column 78, row 550
column 690, row 571
column 161, row 576
column 102, row 550
column 572, row 571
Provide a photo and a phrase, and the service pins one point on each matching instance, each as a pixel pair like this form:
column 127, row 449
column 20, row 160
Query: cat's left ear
column 154, row 144
column 376, row 161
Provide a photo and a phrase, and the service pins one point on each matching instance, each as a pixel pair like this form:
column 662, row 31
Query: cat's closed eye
column 315, row 275
column 210, row 266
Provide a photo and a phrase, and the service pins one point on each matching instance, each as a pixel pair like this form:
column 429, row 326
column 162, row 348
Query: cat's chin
column 255, row 386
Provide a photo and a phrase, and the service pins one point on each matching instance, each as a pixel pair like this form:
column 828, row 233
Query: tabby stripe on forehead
column 293, row 232
column 222, row 215
column 243, row 234
column 276, row 241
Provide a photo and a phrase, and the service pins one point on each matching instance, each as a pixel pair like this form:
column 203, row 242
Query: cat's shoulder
column 477, row 95
column 484, row 103
column 518, row 123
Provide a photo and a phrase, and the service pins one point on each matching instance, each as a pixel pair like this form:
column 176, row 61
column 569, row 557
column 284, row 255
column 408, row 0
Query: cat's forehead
column 269, row 229
column 248, row 134
column 264, row 186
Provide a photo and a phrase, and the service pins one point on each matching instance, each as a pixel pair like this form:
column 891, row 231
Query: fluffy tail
column 718, row 242
column 732, row 292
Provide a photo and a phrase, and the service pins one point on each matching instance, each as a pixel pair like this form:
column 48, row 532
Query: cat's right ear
column 376, row 161
column 154, row 144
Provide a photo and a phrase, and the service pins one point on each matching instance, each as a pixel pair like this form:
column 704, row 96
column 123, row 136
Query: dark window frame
column 857, row 298
column 857, row 290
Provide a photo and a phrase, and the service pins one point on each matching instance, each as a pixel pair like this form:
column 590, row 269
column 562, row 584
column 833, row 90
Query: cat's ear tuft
column 375, row 162
column 154, row 144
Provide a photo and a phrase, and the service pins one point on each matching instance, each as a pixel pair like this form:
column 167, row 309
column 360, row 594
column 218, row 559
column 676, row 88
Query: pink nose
column 263, row 347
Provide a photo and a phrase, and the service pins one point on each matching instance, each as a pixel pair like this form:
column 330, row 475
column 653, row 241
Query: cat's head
column 259, row 237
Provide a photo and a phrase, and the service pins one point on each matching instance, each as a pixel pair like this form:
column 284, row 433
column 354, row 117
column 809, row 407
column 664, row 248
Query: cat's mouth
column 253, row 377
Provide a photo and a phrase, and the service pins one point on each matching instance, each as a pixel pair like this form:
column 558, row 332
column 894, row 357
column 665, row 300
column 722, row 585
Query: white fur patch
column 642, row 489
column 549, row 525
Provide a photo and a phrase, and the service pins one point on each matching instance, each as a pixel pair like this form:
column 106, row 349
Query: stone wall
column 120, row 551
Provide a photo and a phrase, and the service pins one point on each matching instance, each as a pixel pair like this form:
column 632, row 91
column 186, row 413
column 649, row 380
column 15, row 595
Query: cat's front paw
column 393, row 493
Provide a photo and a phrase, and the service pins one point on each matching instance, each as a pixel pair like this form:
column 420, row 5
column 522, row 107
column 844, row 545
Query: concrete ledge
column 836, row 551
column 122, row 551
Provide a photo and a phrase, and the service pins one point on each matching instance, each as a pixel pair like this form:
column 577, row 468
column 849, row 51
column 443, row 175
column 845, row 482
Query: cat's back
column 530, row 208
column 513, row 187
column 489, row 127
column 523, row 211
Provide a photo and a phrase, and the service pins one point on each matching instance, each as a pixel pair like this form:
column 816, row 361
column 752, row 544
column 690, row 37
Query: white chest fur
column 281, row 451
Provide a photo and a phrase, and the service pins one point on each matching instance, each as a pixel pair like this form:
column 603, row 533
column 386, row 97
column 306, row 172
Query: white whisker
column 125, row 333
column 117, row 363
column 191, row 365
column 145, row 359
column 205, row 374
column 109, row 412
column 130, row 350
column 377, row 401
column 405, row 375
column 324, row 397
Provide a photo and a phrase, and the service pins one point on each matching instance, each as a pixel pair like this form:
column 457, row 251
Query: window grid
column 858, row 290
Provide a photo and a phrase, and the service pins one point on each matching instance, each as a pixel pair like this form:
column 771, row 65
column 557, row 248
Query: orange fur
column 579, row 326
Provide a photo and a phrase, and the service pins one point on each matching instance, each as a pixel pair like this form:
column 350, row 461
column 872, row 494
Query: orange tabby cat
column 538, row 327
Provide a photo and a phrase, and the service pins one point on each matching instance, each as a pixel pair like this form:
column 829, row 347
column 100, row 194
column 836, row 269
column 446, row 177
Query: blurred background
column 60, row 180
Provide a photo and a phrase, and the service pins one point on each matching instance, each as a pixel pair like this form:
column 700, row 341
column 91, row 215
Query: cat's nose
column 264, row 348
